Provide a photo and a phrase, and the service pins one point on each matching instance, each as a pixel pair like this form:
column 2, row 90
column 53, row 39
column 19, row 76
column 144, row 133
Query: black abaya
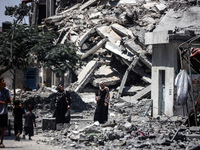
column 101, row 112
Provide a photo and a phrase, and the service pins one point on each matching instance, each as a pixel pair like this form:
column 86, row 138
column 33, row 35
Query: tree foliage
column 31, row 44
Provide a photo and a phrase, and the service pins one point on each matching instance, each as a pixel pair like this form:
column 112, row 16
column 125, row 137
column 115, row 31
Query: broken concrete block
column 146, row 61
column 108, row 81
column 128, row 2
column 137, row 69
column 130, row 44
column 107, row 32
column 121, row 30
column 104, row 71
column 94, row 49
column 161, row 8
column 95, row 15
column 85, row 36
column 144, row 92
column 117, row 50
column 73, row 36
column 85, row 75
column 132, row 65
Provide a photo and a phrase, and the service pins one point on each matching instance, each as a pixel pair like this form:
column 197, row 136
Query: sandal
column 2, row 146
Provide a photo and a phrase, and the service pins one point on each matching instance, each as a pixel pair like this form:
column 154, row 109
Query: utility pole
column 11, row 55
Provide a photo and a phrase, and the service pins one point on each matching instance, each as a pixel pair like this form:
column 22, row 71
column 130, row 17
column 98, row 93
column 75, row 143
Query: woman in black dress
column 62, row 104
column 101, row 112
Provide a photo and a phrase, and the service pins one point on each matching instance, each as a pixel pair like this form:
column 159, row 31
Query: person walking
column 101, row 112
column 29, row 121
column 5, row 98
column 62, row 105
column 18, row 113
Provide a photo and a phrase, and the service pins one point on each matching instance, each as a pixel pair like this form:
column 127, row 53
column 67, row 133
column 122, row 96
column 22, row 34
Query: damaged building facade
column 135, row 36
column 131, row 46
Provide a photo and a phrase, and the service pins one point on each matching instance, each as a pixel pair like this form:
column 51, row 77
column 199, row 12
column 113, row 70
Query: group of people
column 18, row 112
column 63, row 102
column 62, row 111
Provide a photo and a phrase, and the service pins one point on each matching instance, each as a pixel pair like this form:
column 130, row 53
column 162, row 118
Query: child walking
column 18, row 112
column 29, row 121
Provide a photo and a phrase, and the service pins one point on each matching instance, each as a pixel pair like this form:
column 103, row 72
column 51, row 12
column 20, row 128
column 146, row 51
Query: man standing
column 101, row 112
column 5, row 98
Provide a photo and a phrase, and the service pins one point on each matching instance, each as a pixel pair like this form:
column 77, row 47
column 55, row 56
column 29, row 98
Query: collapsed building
column 133, row 47
column 121, row 42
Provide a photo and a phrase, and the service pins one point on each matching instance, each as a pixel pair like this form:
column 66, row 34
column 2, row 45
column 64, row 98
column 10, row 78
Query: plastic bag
column 67, row 115
column 183, row 84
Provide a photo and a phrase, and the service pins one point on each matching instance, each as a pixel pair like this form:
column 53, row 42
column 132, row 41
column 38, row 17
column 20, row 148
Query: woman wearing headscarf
column 62, row 105
column 101, row 112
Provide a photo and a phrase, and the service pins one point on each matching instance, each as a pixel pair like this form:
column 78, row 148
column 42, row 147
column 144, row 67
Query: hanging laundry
column 183, row 84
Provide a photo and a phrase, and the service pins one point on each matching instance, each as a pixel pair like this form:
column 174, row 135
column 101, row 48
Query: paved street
column 25, row 144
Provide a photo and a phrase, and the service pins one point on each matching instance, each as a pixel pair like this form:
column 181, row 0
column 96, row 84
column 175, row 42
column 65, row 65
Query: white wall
column 164, row 58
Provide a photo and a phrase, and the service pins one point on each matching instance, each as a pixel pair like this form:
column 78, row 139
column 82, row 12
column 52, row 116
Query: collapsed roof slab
column 143, row 93
column 121, row 30
column 145, row 61
column 85, row 75
column 131, row 90
column 54, row 19
column 94, row 49
column 145, row 77
column 132, row 65
column 108, row 81
column 117, row 50
column 85, row 36
column 107, row 32
column 161, row 8
column 130, row 45
column 104, row 71
column 69, row 9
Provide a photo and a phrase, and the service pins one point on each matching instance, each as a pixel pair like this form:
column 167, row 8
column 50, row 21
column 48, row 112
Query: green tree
column 30, row 44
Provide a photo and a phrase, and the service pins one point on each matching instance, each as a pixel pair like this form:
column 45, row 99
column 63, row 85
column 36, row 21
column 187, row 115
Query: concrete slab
column 108, row 81
column 192, row 136
column 129, row 99
column 95, row 15
column 121, row 30
column 161, row 7
column 84, row 37
column 127, row 2
column 88, row 97
column 132, row 65
column 131, row 90
column 130, row 45
column 104, row 71
column 94, row 49
column 85, row 75
column 142, row 93
column 150, row 5
column 161, row 37
column 180, row 19
column 117, row 50
column 107, row 32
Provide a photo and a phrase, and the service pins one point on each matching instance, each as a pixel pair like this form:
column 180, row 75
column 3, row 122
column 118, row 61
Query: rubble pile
column 107, row 32
column 128, row 128
column 111, row 32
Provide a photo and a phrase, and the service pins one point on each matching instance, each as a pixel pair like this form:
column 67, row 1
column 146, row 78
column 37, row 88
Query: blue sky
column 4, row 3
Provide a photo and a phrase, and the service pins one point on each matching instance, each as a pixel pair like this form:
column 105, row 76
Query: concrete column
column 50, row 6
column 164, row 62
